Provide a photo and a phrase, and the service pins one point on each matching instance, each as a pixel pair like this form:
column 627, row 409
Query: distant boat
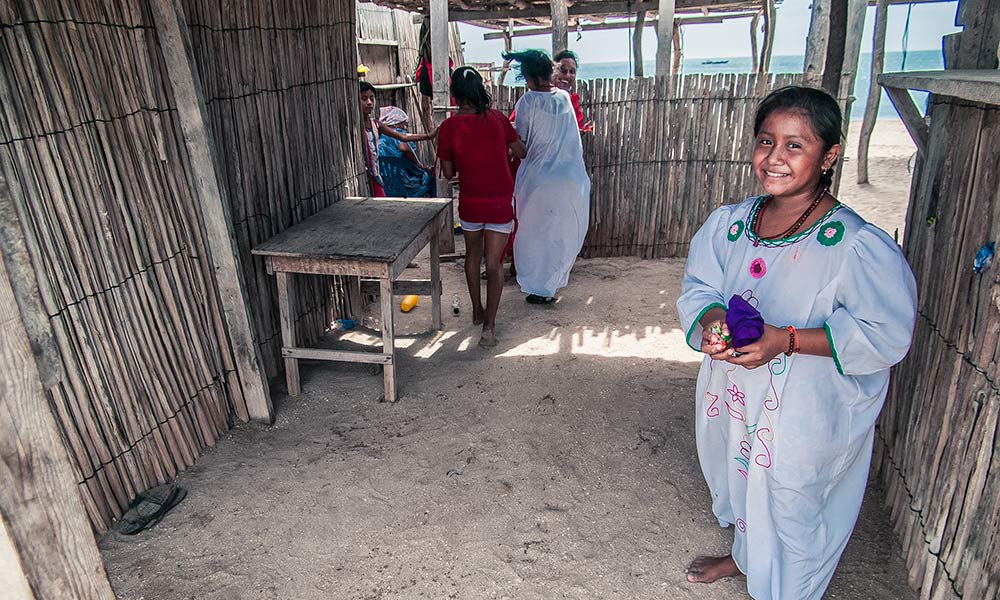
column 714, row 62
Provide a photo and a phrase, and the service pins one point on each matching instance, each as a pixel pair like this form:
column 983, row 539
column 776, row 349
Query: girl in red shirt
column 474, row 144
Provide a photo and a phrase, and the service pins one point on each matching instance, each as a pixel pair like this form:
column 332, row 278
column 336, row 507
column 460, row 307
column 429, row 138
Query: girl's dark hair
column 467, row 86
column 566, row 54
column 532, row 64
column 818, row 106
column 364, row 86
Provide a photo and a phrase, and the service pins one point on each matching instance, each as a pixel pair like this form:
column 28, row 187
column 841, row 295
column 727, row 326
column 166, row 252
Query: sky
column 928, row 22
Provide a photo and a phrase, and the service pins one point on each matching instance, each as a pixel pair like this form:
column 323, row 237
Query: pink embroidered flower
column 737, row 395
column 758, row 268
column 829, row 232
column 734, row 230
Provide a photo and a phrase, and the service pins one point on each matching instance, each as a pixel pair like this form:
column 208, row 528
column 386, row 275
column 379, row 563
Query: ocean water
column 920, row 60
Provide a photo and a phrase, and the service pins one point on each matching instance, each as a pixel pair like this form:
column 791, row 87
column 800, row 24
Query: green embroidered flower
column 831, row 233
column 735, row 231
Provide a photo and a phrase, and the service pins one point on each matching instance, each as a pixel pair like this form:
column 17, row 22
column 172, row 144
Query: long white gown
column 785, row 448
column 552, row 192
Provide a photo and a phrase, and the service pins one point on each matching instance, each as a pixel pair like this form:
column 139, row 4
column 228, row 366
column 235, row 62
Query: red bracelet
column 793, row 341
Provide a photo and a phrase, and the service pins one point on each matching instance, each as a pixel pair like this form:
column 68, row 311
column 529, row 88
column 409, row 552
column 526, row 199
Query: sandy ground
column 559, row 465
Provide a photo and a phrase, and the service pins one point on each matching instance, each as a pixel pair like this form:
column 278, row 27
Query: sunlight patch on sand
column 436, row 344
column 644, row 342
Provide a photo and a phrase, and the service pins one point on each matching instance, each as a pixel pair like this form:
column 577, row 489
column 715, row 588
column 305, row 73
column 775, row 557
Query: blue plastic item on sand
column 984, row 257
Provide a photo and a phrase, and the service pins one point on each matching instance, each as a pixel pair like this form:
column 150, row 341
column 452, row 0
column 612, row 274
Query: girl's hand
column 588, row 127
column 772, row 343
column 712, row 344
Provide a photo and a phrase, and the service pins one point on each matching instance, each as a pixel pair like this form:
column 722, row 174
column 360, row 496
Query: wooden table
column 373, row 238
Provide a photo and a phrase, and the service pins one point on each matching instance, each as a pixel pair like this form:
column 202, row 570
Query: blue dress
column 401, row 177
column 785, row 448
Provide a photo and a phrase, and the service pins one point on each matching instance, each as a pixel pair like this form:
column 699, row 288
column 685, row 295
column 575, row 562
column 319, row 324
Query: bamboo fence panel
column 938, row 433
column 92, row 149
column 665, row 153
column 91, row 146
column 282, row 98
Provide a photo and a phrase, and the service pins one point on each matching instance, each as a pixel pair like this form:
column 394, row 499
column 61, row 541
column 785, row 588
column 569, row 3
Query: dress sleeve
column 446, row 149
column 521, row 119
column 704, row 274
column 876, row 302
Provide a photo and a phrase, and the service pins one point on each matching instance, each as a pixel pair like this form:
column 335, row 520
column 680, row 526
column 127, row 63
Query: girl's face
column 367, row 102
column 788, row 156
column 565, row 74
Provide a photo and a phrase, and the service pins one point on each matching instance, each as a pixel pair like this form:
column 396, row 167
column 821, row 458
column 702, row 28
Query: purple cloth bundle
column 745, row 323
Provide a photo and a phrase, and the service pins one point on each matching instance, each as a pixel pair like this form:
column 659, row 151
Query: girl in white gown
column 785, row 424
column 552, row 189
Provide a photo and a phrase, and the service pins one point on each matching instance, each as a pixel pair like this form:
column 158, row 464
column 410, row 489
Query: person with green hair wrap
column 552, row 189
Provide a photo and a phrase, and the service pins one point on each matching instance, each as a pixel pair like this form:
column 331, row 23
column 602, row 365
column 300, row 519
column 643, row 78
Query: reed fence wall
column 938, row 440
column 664, row 154
column 92, row 149
column 280, row 85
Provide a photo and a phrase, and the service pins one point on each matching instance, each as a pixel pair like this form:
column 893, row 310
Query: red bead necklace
column 755, row 227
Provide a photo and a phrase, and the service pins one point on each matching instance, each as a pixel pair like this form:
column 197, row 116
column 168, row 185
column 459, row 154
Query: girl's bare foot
column 477, row 319
column 488, row 340
column 706, row 569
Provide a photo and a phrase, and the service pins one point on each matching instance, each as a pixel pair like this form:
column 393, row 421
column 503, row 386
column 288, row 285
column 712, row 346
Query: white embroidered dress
column 552, row 192
column 785, row 448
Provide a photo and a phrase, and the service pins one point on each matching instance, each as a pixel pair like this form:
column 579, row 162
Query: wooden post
column 664, row 37
column 441, row 99
column 211, row 195
column 678, row 50
column 47, row 548
column 836, row 47
column 388, row 338
column 816, row 42
column 508, row 45
column 286, row 298
column 854, row 26
column 874, row 91
column 640, row 24
column 560, row 26
column 754, row 25
column 768, row 48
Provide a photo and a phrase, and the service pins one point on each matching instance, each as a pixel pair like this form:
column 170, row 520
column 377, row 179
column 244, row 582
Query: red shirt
column 477, row 144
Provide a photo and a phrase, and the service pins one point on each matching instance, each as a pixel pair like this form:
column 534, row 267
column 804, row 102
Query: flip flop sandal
column 150, row 507
column 536, row 299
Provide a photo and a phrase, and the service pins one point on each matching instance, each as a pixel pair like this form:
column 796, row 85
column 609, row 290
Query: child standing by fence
column 474, row 144
column 785, row 423
column 552, row 188
column 373, row 129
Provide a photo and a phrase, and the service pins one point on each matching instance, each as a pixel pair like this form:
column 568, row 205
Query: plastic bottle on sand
column 454, row 304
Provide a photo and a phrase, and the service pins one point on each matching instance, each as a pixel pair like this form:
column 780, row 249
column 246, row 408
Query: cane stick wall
column 91, row 147
column 281, row 88
column 938, row 440
column 665, row 153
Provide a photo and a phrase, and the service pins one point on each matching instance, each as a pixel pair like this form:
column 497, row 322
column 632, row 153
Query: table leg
column 435, row 277
column 354, row 297
column 388, row 343
column 286, row 293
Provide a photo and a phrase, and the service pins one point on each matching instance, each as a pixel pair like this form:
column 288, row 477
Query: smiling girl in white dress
column 785, row 424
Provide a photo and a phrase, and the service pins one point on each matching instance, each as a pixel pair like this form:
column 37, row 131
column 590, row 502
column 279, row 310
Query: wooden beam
column 664, row 36
column 975, row 85
column 754, row 49
column 47, row 548
column 874, row 91
column 560, row 26
column 442, row 75
column 529, row 31
column 770, row 21
column 211, row 195
column 640, row 24
column 816, row 42
column 593, row 8
column 908, row 112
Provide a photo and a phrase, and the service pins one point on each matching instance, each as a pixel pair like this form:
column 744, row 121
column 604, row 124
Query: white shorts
column 497, row 227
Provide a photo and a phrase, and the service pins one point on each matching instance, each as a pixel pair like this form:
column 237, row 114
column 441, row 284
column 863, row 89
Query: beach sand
column 561, row 464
